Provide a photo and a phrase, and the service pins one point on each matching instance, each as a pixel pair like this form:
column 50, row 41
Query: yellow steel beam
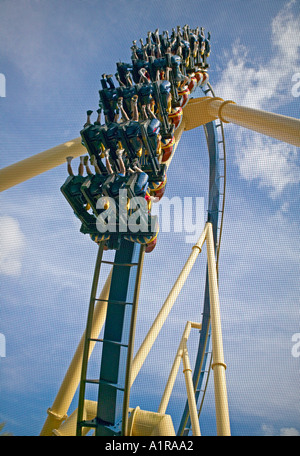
column 58, row 412
column 202, row 110
column 218, row 366
column 190, row 391
column 37, row 164
column 166, row 308
column 143, row 423
column 44, row 161
column 198, row 111
column 182, row 354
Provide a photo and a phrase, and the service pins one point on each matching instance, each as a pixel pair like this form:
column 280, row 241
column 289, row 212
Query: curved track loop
column 217, row 171
column 214, row 133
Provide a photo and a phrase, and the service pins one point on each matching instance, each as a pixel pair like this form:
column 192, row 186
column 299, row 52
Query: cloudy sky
column 52, row 55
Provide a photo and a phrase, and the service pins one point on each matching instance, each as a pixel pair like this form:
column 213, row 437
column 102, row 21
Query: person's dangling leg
column 69, row 167
column 81, row 166
column 86, row 164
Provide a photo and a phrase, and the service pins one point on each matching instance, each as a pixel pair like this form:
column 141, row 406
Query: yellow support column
column 44, row 161
column 182, row 354
column 190, row 391
column 58, row 412
column 39, row 163
column 218, row 366
column 198, row 111
column 283, row 128
column 174, row 371
column 202, row 110
column 165, row 310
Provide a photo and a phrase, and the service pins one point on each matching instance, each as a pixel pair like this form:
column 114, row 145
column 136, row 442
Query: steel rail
column 204, row 354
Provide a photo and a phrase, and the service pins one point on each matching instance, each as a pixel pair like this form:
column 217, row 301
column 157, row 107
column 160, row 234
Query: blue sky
column 52, row 55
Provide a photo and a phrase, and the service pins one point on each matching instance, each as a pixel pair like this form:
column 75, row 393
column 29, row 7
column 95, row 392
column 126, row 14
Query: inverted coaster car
column 112, row 239
column 71, row 190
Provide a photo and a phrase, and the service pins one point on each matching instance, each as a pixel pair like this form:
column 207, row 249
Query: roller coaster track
column 210, row 112
column 214, row 133
column 124, row 292
column 109, row 415
column 108, row 420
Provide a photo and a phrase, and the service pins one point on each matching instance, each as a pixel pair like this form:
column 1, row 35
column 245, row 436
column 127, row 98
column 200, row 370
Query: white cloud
column 269, row 430
column 12, row 242
column 49, row 230
column 273, row 164
column 263, row 85
column 289, row 432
